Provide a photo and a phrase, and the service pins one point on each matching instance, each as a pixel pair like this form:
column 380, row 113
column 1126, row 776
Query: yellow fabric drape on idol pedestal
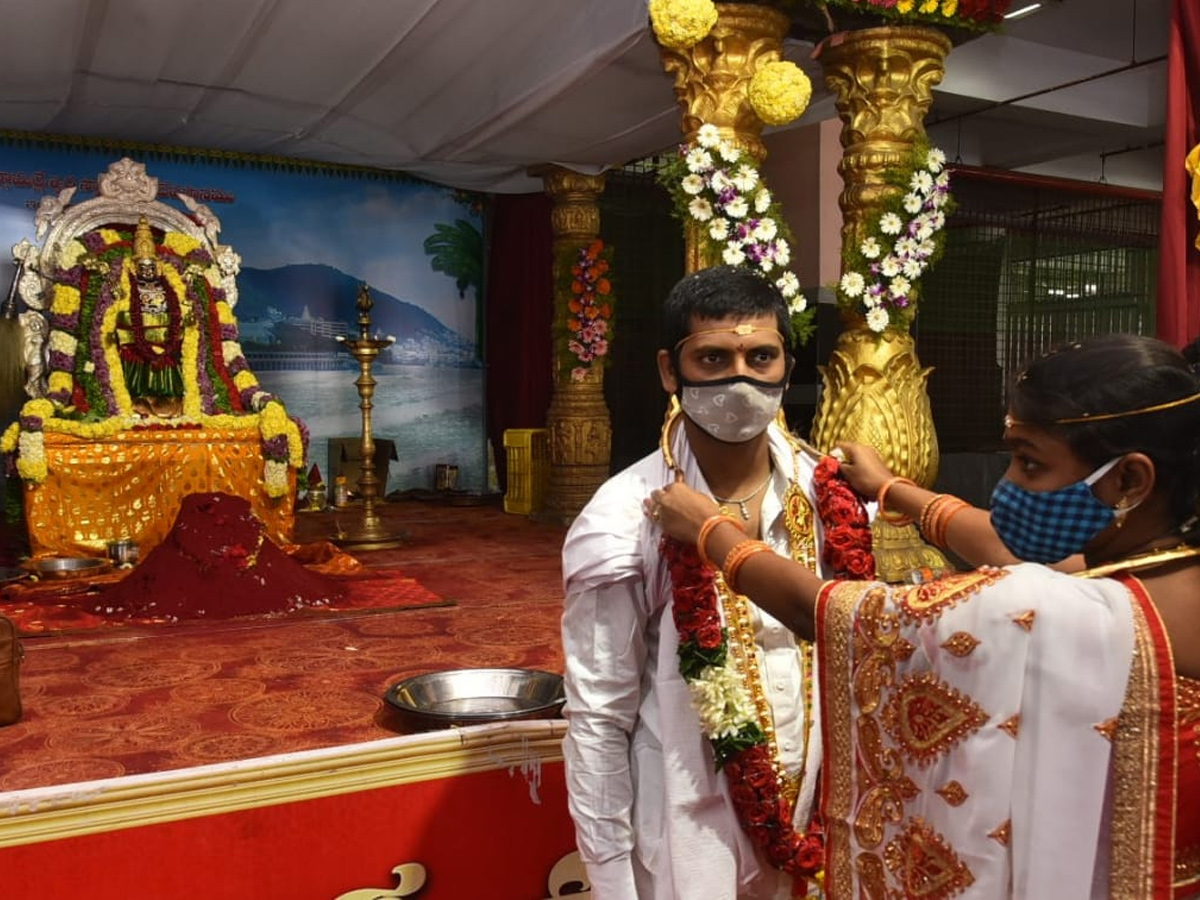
column 131, row 485
column 874, row 388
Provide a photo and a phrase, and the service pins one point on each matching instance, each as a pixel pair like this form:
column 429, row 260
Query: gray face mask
column 734, row 410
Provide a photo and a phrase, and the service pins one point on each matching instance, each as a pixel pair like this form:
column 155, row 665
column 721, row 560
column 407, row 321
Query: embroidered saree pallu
column 1000, row 733
column 131, row 485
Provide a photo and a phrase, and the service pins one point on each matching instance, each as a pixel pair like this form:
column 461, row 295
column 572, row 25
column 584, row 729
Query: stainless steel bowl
column 67, row 566
column 473, row 696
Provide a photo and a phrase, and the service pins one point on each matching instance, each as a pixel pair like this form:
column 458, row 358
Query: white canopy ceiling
column 471, row 93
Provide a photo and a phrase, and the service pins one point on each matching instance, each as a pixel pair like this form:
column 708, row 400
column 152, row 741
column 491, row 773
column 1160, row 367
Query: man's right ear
column 666, row 372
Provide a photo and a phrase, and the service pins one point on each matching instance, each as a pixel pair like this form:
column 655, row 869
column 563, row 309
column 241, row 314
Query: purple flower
column 276, row 447
column 61, row 362
column 68, row 322
column 31, row 423
column 93, row 241
column 72, row 277
column 238, row 364
column 229, row 332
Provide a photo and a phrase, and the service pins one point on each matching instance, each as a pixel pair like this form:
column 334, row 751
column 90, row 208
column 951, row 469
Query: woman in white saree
column 1016, row 730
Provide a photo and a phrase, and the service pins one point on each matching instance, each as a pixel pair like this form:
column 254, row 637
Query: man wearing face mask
column 653, row 813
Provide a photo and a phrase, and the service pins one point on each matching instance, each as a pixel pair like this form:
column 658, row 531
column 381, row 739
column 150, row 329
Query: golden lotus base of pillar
column 902, row 557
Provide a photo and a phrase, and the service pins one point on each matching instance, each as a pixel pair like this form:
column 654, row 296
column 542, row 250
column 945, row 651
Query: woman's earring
column 1121, row 510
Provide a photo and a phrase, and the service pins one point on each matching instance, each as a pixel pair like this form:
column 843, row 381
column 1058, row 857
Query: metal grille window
column 1029, row 263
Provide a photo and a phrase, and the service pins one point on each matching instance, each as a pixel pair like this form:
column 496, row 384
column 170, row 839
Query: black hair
column 1119, row 373
column 717, row 293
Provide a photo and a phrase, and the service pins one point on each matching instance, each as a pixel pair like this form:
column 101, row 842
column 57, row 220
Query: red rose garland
column 762, row 811
column 743, row 752
column 847, row 549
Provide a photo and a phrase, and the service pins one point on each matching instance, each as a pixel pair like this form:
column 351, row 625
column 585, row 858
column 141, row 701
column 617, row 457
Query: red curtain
column 519, row 317
column 1179, row 264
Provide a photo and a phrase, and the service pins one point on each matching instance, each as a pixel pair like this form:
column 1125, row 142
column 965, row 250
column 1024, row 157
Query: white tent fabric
column 472, row 93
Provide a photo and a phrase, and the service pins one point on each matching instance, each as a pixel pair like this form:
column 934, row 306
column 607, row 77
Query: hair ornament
column 1010, row 420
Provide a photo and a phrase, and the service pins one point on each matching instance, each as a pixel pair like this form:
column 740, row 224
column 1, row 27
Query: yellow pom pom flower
column 178, row 242
column 65, row 300
column 8, row 441
column 779, row 92
column 680, row 24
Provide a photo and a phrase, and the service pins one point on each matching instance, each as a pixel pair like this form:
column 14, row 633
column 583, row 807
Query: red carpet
column 56, row 607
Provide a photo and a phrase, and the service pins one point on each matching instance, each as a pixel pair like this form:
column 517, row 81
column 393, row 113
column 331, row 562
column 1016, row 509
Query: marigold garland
column 972, row 15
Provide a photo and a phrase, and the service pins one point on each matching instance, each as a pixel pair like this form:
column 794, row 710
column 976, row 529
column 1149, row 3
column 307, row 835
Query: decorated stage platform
column 256, row 757
column 471, row 812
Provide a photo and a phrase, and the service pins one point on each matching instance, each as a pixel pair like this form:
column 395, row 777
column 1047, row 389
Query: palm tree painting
column 457, row 251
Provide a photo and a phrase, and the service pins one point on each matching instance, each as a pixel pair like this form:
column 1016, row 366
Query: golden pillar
column 578, row 420
column 712, row 84
column 874, row 388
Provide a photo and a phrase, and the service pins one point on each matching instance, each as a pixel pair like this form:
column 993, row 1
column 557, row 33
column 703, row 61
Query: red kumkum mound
column 215, row 563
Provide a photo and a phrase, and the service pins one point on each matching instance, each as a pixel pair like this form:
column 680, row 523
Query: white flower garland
column 880, row 275
column 718, row 188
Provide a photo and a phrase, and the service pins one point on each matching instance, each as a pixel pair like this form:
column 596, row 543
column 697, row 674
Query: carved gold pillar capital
column 712, row 85
column 578, row 419
column 712, row 78
column 575, row 215
column 883, row 81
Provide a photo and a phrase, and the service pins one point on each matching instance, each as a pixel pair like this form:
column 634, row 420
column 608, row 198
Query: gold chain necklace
column 1141, row 561
column 723, row 502
column 798, row 516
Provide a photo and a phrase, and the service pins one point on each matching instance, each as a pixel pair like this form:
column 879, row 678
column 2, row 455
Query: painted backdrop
column 308, row 237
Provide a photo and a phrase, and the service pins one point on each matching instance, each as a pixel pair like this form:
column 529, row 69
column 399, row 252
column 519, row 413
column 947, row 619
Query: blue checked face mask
column 1047, row 526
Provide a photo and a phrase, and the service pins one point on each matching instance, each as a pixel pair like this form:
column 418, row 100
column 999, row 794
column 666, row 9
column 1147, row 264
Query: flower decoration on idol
column 86, row 392
column 717, row 189
column 904, row 238
column 590, row 309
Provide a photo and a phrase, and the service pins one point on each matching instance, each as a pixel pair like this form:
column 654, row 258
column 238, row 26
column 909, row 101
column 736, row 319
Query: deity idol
column 150, row 333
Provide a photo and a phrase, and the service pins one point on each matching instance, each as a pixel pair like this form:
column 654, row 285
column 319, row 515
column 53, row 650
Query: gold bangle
column 897, row 519
column 737, row 556
column 706, row 531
